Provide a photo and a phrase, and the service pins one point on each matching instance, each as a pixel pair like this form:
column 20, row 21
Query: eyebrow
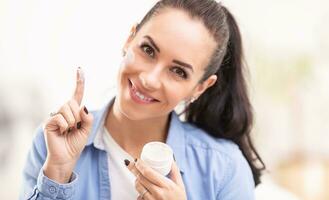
column 175, row 61
column 152, row 42
column 183, row 64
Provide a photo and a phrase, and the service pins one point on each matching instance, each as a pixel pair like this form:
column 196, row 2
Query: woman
column 186, row 51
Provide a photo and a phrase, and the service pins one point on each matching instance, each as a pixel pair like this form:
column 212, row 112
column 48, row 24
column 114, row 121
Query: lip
column 133, row 87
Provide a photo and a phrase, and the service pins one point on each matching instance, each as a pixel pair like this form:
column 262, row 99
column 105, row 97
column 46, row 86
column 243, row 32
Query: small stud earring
column 192, row 99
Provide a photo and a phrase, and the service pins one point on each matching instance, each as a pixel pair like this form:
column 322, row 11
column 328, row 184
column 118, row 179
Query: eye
column 147, row 49
column 180, row 72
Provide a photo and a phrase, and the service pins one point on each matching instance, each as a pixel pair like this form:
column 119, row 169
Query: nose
column 151, row 80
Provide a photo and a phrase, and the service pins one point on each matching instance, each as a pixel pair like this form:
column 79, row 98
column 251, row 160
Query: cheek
column 129, row 58
column 175, row 93
column 133, row 62
column 127, row 64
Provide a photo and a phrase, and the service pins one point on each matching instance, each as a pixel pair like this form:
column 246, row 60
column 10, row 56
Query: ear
column 131, row 36
column 201, row 87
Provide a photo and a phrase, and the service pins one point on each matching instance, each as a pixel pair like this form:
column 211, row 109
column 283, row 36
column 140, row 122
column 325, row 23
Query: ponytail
column 224, row 110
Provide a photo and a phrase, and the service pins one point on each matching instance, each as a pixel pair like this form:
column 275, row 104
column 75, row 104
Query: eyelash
column 143, row 45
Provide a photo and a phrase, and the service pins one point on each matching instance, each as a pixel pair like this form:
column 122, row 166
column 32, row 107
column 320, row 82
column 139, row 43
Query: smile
column 138, row 96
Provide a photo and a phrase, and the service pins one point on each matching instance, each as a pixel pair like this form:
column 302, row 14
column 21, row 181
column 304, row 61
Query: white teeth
column 142, row 97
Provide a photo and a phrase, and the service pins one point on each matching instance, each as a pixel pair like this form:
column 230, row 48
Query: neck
column 132, row 135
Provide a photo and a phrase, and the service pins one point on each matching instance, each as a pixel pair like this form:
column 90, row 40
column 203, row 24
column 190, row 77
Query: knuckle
column 61, row 109
column 62, row 122
column 64, row 127
column 67, row 104
column 71, row 121
column 73, row 103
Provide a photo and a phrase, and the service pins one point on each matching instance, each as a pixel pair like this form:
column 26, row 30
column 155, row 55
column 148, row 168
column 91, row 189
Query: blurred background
column 286, row 47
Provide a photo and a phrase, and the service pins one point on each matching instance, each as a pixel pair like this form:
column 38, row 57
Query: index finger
column 80, row 86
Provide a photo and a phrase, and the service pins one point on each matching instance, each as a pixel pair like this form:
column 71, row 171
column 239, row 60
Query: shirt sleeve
column 35, row 185
column 239, row 183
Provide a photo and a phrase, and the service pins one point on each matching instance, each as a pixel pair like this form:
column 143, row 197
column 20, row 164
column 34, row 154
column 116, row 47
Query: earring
column 192, row 99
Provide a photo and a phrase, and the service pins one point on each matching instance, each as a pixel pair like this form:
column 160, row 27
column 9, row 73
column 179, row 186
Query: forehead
column 180, row 37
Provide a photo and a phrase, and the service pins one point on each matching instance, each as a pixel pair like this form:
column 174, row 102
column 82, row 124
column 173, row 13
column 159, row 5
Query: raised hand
column 66, row 134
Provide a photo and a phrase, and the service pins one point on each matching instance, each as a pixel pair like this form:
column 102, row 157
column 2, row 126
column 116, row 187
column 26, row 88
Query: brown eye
column 180, row 72
column 148, row 50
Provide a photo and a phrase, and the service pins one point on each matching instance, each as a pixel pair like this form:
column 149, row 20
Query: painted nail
column 127, row 162
column 86, row 110
column 78, row 125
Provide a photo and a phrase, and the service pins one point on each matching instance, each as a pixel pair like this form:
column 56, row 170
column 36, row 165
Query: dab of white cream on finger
column 80, row 74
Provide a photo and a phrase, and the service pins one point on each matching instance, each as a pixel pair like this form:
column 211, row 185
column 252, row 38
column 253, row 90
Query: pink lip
column 133, row 88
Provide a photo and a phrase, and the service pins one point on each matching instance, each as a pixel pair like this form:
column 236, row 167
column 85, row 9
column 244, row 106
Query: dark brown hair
column 223, row 110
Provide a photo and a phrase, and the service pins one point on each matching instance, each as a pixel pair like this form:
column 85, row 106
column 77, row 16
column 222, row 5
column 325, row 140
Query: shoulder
column 199, row 138
column 226, row 151
column 229, row 167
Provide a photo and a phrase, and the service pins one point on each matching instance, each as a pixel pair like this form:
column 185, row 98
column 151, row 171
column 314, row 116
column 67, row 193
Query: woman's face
column 164, row 61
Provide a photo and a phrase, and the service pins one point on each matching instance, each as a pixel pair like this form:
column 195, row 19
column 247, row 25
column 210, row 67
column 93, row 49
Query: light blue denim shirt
column 210, row 168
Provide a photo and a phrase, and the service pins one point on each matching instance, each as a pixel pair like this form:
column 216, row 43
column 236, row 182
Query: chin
column 131, row 113
column 134, row 114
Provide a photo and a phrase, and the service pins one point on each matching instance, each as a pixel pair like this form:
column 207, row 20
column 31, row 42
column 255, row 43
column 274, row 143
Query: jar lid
column 157, row 154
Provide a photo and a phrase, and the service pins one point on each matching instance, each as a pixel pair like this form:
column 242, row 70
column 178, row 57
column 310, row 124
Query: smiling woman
column 182, row 51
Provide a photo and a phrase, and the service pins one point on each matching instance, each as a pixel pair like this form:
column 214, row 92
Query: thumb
column 175, row 175
column 86, row 120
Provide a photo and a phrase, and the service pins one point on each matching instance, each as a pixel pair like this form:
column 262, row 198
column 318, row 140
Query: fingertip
column 173, row 164
column 127, row 162
column 174, row 168
column 138, row 163
column 85, row 109
column 84, row 112
column 80, row 74
column 79, row 88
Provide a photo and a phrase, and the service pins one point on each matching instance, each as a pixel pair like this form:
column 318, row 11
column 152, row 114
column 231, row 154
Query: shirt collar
column 175, row 138
column 99, row 117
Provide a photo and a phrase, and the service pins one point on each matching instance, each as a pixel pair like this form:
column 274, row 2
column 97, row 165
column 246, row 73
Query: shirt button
column 52, row 189
column 67, row 191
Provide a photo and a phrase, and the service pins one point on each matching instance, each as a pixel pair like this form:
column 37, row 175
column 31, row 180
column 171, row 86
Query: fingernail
column 86, row 110
column 127, row 162
column 69, row 130
column 78, row 125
